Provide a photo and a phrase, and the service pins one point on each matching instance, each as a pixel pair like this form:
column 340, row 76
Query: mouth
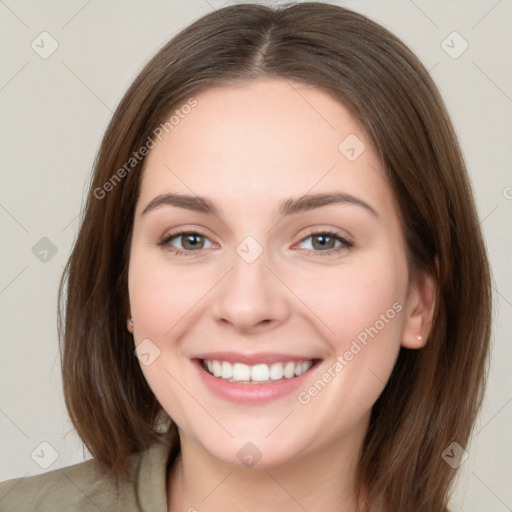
column 255, row 374
column 253, row 378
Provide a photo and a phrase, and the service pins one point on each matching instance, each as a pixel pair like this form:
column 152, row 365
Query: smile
column 254, row 378
column 258, row 373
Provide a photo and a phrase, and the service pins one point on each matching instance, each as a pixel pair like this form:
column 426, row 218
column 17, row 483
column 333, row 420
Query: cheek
column 162, row 301
column 161, row 295
column 353, row 299
column 361, row 315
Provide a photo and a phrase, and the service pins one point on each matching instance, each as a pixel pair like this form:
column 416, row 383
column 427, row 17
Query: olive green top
column 85, row 487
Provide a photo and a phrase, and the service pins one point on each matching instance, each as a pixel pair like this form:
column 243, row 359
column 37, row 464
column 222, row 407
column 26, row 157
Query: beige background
column 54, row 111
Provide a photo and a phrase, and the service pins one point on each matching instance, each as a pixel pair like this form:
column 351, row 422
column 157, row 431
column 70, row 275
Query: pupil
column 323, row 237
column 188, row 238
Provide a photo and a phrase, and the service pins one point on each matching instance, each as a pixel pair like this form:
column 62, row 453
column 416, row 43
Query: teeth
column 240, row 372
column 227, row 370
column 289, row 370
column 217, row 369
column 302, row 368
column 260, row 372
column 276, row 371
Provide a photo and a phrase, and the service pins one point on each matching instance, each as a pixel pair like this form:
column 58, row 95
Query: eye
column 191, row 242
column 324, row 243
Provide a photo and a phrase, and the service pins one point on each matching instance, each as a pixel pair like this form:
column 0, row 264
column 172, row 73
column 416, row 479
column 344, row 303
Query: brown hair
column 434, row 393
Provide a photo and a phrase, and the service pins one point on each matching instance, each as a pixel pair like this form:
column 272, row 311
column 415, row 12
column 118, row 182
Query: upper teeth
column 236, row 372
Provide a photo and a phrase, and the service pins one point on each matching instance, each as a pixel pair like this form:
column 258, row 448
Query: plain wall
column 54, row 111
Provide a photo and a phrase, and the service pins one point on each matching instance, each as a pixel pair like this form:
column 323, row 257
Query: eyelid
column 166, row 239
column 346, row 242
column 315, row 230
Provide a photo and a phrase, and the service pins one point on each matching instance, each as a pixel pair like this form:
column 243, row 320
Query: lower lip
column 251, row 393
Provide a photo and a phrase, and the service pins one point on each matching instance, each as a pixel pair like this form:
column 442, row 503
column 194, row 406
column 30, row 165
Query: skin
column 247, row 148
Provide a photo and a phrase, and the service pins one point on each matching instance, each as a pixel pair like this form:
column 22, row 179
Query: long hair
column 434, row 393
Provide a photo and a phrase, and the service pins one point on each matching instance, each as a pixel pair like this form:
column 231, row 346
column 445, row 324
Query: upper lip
column 253, row 359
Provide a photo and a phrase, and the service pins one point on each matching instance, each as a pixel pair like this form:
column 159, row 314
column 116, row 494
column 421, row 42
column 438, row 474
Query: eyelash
column 345, row 244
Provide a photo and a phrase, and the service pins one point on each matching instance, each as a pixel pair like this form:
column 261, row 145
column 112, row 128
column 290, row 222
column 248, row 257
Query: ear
column 128, row 315
column 129, row 325
column 419, row 311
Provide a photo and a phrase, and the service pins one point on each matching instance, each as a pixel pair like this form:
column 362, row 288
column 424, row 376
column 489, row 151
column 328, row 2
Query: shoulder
column 84, row 487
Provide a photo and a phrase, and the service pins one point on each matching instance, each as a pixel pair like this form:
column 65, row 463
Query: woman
column 280, row 224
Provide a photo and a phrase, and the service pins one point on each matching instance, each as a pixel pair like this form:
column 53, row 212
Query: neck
column 319, row 481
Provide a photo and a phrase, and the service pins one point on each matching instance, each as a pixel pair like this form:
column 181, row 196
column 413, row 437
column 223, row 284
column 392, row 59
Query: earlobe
column 130, row 324
column 128, row 313
column 419, row 312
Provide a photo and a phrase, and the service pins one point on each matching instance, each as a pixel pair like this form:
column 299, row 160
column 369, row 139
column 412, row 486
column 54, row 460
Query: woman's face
column 267, row 284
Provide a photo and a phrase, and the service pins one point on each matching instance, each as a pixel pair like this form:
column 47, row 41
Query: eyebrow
column 287, row 207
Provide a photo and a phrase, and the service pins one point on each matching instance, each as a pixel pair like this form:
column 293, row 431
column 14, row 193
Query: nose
column 251, row 297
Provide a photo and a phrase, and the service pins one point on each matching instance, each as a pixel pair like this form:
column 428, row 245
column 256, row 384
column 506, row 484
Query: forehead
column 267, row 139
